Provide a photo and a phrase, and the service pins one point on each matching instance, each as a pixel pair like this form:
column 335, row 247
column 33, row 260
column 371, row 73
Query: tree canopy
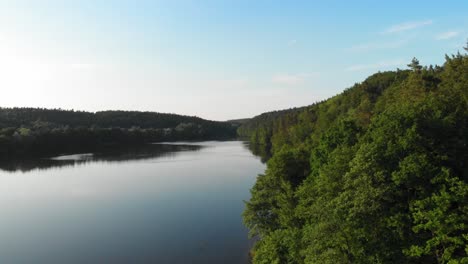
column 37, row 131
column 377, row 174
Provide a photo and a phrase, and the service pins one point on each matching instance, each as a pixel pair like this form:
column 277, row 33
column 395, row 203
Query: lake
column 163, row 203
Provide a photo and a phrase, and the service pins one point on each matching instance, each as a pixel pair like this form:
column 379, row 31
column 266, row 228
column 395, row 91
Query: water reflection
column 114, row 154
column 261, row 151
column 164, row 203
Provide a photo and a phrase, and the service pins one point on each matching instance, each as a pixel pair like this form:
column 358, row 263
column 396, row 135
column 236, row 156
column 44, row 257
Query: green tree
column 377, row 174
column 414, row 65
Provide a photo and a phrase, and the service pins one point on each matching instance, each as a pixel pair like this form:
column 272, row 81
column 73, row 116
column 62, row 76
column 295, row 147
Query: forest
column 28, row 132
column 376, row 174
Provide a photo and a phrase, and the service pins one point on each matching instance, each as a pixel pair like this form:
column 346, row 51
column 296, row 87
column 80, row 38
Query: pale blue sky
column 214, row 59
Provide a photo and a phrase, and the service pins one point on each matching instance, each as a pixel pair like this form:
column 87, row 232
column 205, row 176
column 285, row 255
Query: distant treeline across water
column 38, row 131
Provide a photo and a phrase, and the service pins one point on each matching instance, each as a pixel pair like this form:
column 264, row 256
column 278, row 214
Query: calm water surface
column 165, row 203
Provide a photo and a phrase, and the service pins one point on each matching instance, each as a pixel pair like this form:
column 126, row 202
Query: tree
column 414, row 65
column 377, row 174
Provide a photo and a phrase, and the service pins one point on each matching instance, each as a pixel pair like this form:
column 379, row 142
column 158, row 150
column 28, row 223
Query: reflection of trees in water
column 114, row 154
column 259, row 150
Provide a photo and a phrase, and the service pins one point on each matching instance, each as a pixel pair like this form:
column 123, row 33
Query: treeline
column 377, row 174
column 37, row 131
column 260, row 129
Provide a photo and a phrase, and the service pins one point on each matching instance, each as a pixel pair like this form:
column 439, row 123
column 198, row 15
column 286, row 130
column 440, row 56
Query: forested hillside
column 377, row 174
column 34, row 131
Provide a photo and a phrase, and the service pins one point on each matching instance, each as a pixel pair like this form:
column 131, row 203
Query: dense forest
column 376, row 174
column 35, row 131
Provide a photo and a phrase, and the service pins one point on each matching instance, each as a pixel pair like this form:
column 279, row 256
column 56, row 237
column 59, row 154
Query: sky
column 218, row 60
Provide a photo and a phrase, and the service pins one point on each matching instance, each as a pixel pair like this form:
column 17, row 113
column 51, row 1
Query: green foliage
column 377, row 174
column 443, row 217
column 280, row 247
column 272, row 202
column 35, row 131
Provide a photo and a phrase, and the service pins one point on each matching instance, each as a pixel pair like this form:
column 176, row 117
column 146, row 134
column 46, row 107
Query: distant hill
column 35, row 131
column 239, row 121
column 123, row 119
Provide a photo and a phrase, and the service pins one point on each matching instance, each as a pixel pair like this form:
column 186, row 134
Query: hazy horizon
column 212, row 59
